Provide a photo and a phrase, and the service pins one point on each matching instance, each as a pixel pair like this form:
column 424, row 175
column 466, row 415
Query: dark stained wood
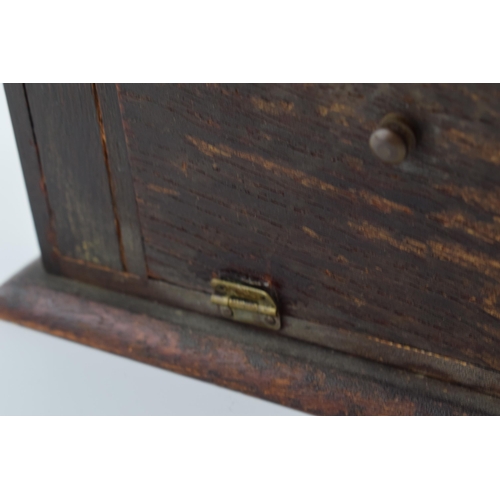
column 278, row 182
column 350, row 342
column 121, row 181
column 69, row 141
column 306, row 377
column 152, row 190
column 33, row 175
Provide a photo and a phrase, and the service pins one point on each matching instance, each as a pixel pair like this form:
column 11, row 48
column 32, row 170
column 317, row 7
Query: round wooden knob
column 393, row 140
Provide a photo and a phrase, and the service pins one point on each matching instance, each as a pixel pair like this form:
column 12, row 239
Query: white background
column 228, row 458
column 44, row 375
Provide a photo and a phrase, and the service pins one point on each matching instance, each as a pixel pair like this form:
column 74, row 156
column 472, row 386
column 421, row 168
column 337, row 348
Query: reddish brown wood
column 285, row 371
column 396, row 264
column 350, row 342
column 73, row 158
column 278, row 182
column 122, row 187
column 33, row 174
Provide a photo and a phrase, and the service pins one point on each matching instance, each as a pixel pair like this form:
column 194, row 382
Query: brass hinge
column 245, row 303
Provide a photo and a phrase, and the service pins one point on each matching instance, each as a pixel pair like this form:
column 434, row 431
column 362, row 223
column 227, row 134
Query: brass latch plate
column 245, row 303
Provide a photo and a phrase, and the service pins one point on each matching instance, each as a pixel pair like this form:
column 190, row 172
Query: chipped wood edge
column 349, row 342
column 27, row 146
column 292, row 373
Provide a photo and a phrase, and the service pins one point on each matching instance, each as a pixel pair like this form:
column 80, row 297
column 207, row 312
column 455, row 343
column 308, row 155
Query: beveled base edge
column 259, row 363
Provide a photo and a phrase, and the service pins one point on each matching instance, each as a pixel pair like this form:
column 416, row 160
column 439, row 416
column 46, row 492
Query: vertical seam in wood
column 120, row 107
column 102, row 134
column 51, row 237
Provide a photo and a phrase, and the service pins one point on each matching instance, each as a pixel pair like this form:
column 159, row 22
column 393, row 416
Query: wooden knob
column 393, row 139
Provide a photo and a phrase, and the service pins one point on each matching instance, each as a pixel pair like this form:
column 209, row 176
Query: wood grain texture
column 33, row 174
column 277, row 181
column 285, row 371
column 350, row 342
column 122, row 187
column 66, row 125
column 392, row 264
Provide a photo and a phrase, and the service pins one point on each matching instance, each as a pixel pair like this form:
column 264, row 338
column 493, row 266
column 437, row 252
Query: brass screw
column 226, row 311
column 270, row 320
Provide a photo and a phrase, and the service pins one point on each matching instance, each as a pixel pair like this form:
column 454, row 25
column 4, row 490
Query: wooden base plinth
column 260, row 363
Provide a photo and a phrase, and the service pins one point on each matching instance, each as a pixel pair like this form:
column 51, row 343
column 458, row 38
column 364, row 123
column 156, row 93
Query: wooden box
column 370, row 287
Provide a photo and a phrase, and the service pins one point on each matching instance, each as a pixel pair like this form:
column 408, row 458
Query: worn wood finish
column 350, row 342
column 72, row 153
column 285, row 371
column 277, row 181
column 153, row 189
column 33, row 174
column 121, row 181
